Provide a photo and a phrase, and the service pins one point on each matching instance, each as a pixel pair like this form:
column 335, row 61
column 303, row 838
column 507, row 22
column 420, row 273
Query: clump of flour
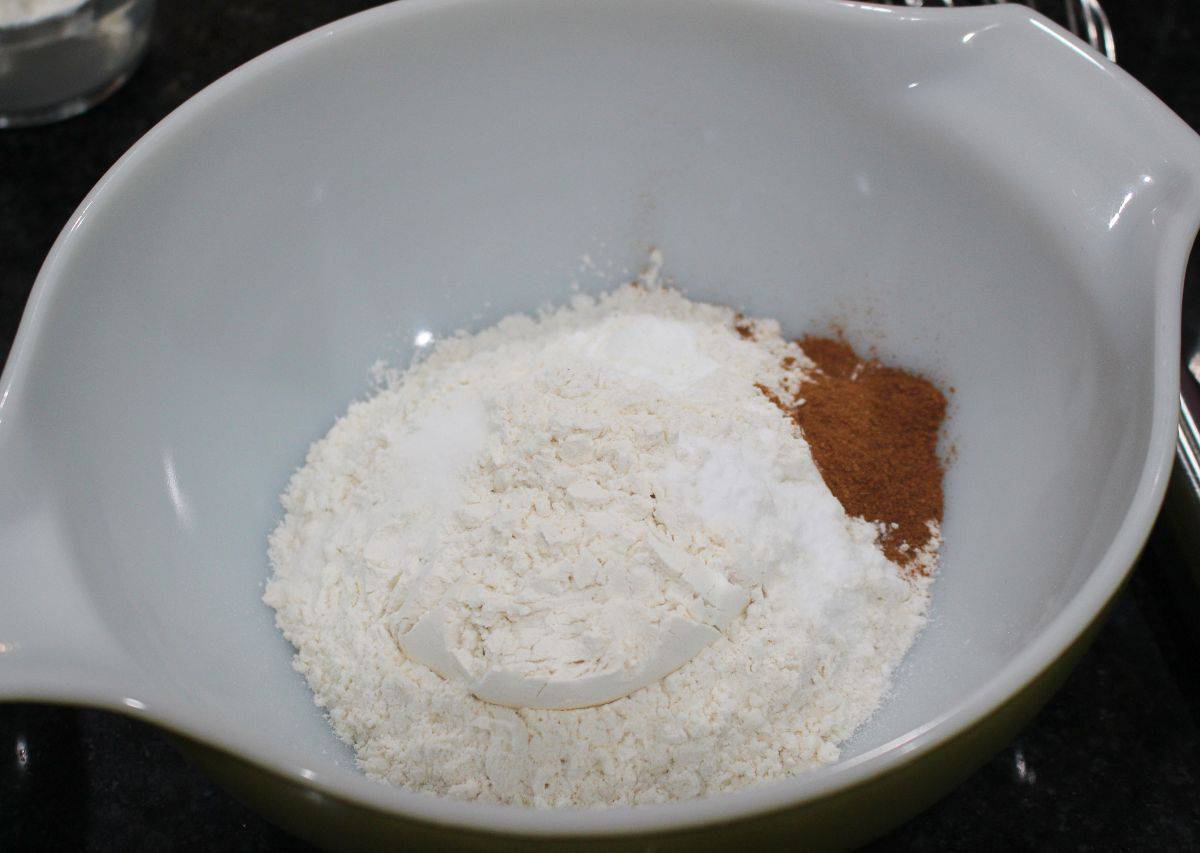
column 580, row 559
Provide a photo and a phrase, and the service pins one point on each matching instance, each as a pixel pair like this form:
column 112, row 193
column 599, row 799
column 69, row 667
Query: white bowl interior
column 439, row 168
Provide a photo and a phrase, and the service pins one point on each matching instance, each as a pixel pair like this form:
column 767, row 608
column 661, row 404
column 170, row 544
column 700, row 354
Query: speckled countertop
column 1112, row 762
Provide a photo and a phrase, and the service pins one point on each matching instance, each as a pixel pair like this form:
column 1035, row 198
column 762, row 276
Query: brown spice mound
column 873, row 430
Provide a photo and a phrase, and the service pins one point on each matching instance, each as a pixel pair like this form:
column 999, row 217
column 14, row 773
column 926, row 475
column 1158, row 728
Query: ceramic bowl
column 974, row 192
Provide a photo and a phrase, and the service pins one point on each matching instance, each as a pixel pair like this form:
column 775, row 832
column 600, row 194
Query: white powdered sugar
column 583, row 560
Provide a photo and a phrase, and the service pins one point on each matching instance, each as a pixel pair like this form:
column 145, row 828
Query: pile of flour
column 581, row 559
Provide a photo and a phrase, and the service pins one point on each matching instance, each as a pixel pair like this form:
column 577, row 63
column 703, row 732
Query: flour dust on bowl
column 215, row 302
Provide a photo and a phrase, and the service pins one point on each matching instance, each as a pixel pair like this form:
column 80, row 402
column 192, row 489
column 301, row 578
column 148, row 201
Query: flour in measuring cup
column 28, row 11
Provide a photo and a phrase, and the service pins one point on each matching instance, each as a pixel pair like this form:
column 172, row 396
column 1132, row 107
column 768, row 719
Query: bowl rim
column 1027, row 666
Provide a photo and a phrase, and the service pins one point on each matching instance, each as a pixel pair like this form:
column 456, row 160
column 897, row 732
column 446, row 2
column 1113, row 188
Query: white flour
column 583, row 560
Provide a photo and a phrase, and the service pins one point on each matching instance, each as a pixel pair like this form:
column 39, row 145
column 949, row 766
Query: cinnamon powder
column 873, row 431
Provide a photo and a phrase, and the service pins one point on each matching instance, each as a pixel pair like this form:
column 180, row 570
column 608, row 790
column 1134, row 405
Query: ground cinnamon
column 873, row 430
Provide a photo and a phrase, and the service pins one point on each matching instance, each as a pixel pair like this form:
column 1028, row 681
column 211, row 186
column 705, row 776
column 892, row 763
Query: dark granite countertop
column 1112, row 762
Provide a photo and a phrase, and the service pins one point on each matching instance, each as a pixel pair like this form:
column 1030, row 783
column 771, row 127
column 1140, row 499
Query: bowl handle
column 54, row 644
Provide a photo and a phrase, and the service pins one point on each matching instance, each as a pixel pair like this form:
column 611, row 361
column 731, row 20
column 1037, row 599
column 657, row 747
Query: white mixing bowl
column 974, row 191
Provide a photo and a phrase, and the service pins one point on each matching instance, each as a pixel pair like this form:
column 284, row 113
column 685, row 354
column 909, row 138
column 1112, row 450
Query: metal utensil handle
column 1085, row 18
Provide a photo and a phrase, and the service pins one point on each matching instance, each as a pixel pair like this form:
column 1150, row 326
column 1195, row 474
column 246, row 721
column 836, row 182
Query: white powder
column 583, row 560
column 27, row 11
